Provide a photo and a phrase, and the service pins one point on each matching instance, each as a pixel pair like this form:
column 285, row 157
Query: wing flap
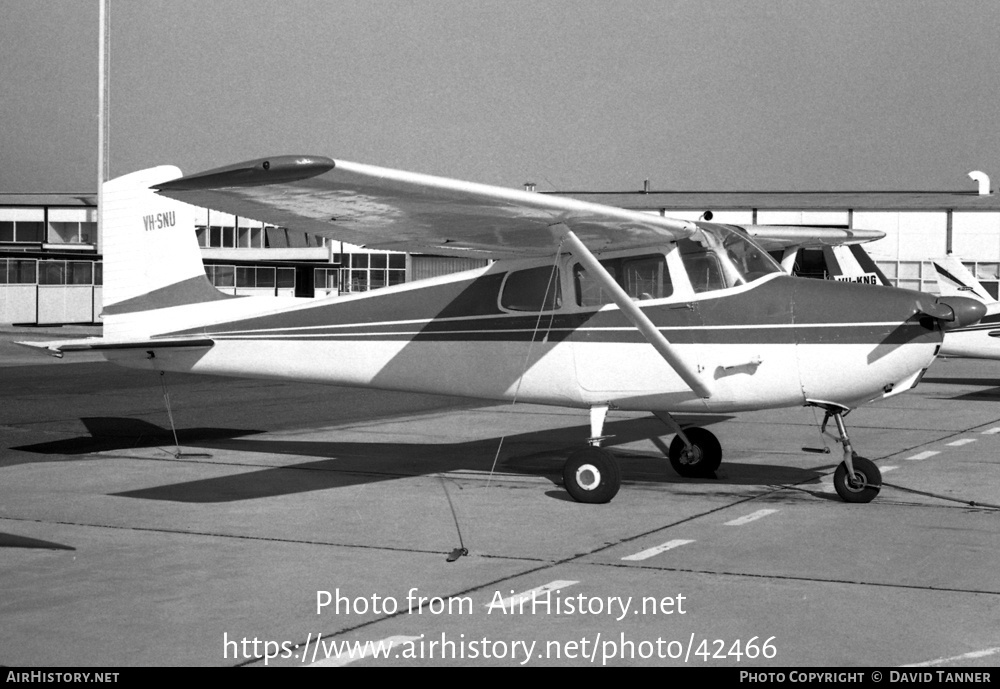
column 382, row 208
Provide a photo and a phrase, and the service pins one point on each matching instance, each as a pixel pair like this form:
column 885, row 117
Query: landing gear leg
column 694, row 453
column 856, row 479
column 592, row 474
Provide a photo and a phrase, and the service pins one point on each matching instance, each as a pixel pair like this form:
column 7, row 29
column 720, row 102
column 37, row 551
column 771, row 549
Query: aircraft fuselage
column 775, row 342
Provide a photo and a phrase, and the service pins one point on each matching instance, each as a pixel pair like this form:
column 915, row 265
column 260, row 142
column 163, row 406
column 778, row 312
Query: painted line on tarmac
column 992, row 431
column 965, row 656
column 753, row 516
column 924, row 455
column 650, row 552
column 351, row 651
column 962, row 441
column 517, row 598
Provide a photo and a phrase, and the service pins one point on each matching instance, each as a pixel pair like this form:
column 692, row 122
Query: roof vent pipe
column 984, row 181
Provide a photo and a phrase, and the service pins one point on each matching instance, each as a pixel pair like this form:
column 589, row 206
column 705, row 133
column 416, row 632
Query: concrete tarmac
column 290, row 522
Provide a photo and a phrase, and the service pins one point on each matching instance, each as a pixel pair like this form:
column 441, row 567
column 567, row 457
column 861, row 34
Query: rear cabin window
column 642, row 277
column 535, row 289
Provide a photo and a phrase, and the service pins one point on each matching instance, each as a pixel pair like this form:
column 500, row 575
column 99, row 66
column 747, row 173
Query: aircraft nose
column 965, row 311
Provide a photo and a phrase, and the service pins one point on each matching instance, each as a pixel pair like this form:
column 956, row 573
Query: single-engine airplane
column 584, row 305
column 979, row 340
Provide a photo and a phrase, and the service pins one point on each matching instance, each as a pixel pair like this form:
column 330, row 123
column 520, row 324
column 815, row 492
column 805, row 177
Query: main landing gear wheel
column 863, row 486
column 592, row 475
column 701, row 459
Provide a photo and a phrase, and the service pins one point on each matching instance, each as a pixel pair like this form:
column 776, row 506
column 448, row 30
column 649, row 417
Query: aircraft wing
column 381, row 208
column 843, row 256
column 777, row 237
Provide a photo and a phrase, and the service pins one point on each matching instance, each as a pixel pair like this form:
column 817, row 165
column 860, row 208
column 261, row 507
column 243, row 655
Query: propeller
column 954, row 312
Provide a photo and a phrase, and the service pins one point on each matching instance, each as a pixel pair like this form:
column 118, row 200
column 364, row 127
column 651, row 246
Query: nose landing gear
column 856, row 479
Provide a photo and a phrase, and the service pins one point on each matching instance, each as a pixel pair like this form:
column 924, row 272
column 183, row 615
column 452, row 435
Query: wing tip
column 253, row 173
column 50, row 348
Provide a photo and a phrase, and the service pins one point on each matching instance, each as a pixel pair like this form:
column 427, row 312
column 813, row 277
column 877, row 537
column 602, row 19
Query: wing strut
column 633, row 313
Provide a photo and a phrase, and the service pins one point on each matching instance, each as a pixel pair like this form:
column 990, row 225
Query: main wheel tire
column 865, row 485
column 592, row 475
column 701, row 460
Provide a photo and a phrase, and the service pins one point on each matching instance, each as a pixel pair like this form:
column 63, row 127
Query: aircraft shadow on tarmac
column 342, row 464
column 116, row 433
column 14, row 541
column 992, row 394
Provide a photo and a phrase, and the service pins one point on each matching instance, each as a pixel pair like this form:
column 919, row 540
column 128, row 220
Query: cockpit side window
column 647, row 277
column 588, row 291
column 703, row 266
column 717, row 257
column 642, row 277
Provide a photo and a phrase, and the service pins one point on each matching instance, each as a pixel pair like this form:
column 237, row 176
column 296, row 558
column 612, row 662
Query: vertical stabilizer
column 851, row 263
column 151, row 255
column 954, row 279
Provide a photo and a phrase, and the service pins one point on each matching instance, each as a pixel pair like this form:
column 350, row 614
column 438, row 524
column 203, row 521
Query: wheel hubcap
column 858, row 483
column 588, row 477
column 692, row 455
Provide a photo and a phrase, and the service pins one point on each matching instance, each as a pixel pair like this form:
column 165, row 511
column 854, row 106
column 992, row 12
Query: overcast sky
column 571, row 94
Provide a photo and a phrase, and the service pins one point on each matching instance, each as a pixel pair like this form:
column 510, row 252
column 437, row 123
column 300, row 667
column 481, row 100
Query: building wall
column 918, row 227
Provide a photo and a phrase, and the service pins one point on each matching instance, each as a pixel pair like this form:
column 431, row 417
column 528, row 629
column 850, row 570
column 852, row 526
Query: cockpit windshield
column 717, row 257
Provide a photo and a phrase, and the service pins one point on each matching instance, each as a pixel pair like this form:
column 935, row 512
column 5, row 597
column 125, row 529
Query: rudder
column 151, row 255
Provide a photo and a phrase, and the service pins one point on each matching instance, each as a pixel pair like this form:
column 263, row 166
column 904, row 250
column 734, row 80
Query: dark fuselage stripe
column 847, row 334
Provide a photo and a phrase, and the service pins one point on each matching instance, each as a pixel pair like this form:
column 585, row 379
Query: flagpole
column 102, row 119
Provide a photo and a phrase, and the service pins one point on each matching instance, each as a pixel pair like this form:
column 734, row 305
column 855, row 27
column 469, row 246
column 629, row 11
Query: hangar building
column 50, row 271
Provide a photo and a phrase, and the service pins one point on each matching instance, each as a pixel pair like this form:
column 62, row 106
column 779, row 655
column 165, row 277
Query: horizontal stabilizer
column 61, row 347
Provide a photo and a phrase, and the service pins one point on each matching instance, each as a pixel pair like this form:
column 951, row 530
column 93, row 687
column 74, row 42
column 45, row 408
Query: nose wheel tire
column 592, row 475
column 701, row 459
column 863, row 486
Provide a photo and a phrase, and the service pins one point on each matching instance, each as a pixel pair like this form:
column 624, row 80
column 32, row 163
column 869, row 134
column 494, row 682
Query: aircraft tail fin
column 151, row 255
column 851, row 263
column 954, row 279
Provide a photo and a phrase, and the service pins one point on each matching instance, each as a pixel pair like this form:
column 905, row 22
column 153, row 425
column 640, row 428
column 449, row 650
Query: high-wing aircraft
column 584, row 305
column 975, row 341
